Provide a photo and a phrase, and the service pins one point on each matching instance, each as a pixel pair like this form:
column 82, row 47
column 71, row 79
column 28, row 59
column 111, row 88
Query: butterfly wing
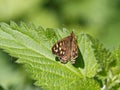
column 74, row 49
column 62, row 49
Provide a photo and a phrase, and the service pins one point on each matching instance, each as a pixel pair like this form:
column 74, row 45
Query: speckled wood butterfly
column 66, row 49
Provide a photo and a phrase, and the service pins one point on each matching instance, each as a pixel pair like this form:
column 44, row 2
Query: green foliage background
column 99, row 18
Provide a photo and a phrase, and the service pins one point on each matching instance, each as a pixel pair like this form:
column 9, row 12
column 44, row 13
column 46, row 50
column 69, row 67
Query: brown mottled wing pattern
column 66, row 49
column 74, row 48
column 62, row 49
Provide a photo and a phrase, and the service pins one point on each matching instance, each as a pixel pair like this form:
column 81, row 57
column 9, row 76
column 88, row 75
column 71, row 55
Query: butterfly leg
column 72, row 61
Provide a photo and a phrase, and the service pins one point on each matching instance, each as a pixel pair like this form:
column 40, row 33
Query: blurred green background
column 99, row 18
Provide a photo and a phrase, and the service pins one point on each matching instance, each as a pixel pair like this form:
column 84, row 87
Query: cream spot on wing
column 61, row 52
column 60, row 43
column 59, row 48
column 57, row 45
column 74, row 49
column 76, row 52
column 56, row 50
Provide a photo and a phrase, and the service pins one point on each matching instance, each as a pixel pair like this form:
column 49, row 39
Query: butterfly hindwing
column 74, row 49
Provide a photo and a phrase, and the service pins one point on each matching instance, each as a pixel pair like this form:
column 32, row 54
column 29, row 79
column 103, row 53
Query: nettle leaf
column 115, row 79
column 32, row 47
column 104, row 57
column 117, row 57
column 86, row 84
column 107, row 62
column 90, row 65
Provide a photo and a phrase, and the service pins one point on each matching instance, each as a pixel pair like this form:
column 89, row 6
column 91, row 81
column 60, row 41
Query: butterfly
column 66, row 49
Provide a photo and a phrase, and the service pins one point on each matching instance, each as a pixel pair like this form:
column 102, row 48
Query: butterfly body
column 66, row 49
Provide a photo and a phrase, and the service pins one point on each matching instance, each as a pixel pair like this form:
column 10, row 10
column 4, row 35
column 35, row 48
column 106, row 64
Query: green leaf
column 103, row 56
column 107, row 62
column 90, row 63
column 115, row 79
column 117, row 57
column 32, row 47
column 85, row 84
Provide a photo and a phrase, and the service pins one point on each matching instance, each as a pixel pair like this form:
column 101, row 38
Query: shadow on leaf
column 79, row 61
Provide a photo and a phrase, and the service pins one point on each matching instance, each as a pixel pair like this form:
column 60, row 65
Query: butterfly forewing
column 66, row 49
column 62, row 49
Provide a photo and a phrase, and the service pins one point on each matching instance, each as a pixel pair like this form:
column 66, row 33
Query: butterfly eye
column 62, row 60
column 59, row 58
